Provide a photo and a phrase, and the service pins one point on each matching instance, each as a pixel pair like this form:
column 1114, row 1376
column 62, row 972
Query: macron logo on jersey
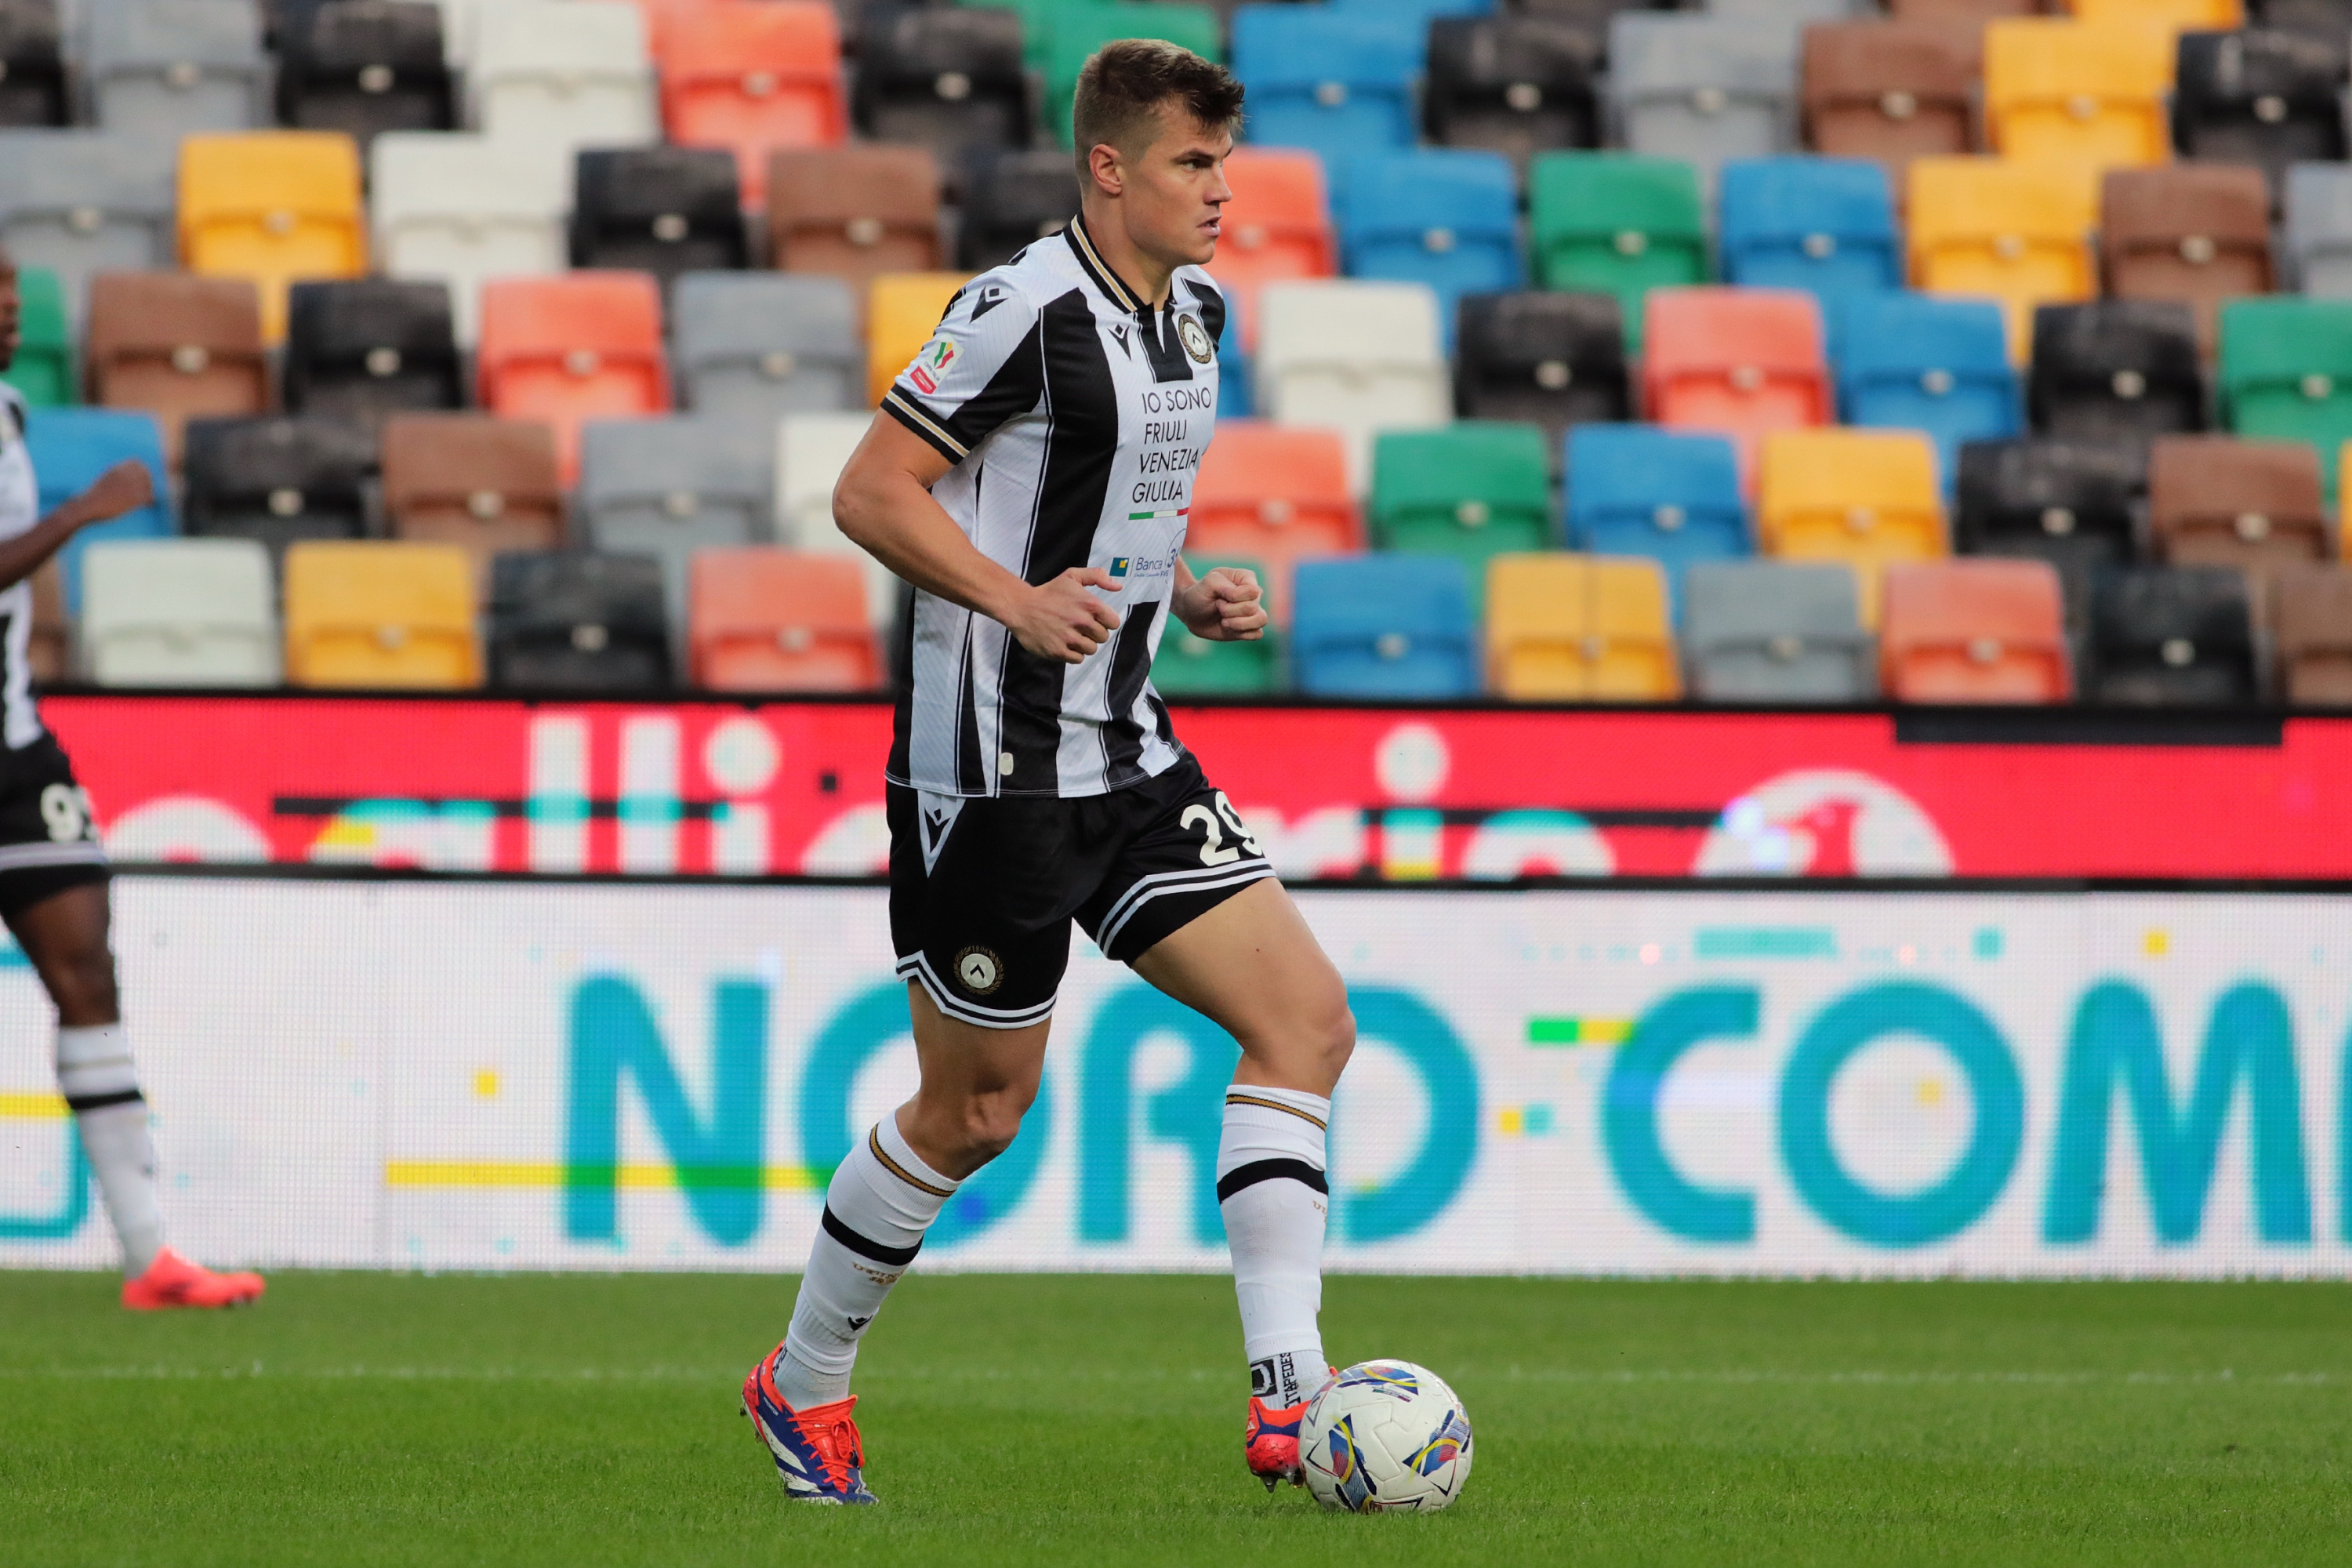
column 933, row 362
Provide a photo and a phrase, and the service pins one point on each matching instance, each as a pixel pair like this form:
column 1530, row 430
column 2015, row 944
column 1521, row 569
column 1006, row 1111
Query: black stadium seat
column 32, row 69
column 575, row 620
column 2264, row 97
column 363, row 67
column 363, row 348
column 2330, row 19
column 947, row 78
column 278, row 479
column 2116, row 369
column 1555, row 358
column 2075, row 504
column 663, row 210
column 1011, row 200
column 2172, row 636
column 1591, row 14
column 1518, row 85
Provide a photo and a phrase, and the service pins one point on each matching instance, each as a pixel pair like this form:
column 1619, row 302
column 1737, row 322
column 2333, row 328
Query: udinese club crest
column 979, row 971
column 1195, row 339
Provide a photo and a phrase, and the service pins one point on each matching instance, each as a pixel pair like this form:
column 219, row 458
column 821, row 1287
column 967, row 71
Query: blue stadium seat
column 1822, row 224
column 1911, row 361
column 1446, row 216
column 1382, row 625
column 1336, row 83
column 1415, row 14
column 1670, row 495
column 69, row 448
column 1233, row 365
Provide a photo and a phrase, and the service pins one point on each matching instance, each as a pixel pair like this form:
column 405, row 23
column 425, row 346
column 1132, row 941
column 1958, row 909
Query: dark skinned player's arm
column 125, row 486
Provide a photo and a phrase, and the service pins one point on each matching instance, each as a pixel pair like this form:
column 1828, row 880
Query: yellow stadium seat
column 277, row 206
column 2172, row 16
column 2017, row 232
column 902, row 310
column 2078, row 92
column 379, row 613
column 1568, row 628
column 1862, row 497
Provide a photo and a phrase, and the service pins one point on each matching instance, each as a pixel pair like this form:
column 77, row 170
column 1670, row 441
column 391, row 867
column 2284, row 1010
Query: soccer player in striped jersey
column 1029, row 473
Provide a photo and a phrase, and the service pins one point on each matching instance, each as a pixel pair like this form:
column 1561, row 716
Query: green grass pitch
column 356, row 1419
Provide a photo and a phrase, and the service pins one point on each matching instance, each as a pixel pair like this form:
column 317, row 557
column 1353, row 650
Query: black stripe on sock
column 866, row 1246
column 81, row 1102
column 1256, row 1171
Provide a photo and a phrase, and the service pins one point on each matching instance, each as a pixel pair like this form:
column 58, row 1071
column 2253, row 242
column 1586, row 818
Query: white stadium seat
column 1358, row 358
column 551, row 77
column 463, row 209
column 179, row 612
column 811, row 451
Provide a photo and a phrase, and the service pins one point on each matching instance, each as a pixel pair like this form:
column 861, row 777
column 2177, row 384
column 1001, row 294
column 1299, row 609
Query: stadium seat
column 1909, row 362
column 945, row 79
column 1233, row 374
column 1276, row 497
column 1741, row 362
column 1618, row 225
column 1444, row 216
column 179, row 612
column 2116, row 370
column 902, row 309
column 663, row 210
column 462, row 210
column 549, row 76
column 1891, row 91
column 1188, row 666
column 811, row 451
column 1703, row 88
column 2172, row 636
column 855, row 212
column 161, row 69
column 70, row 448
column 1770, row 631
column 1866, row 498
column 1326, row 79
column 587, row 345
column 2324, row 18
column 278, row 480
column 367, row 347
column 1355, row 357
column 2197, row 232
column 1555, row 358
column 2077, row 92
column 1470, row 491
column 2317, row 241
column 376, row 614
column 1514, row 84
column 43, row 368
column 1825, row 224
column 83, row 202
column 2264, row 97
column 754, row 79
column 2218, row 500
column 485, row 484
column 2171, row 15
column 362, row 67
column 1382, row 625
column 2069, row 503
column 752, row 346
column 2017, row 232
column 1671, row 496
column 668, row 488
column 1080, row 30
column 2286, row 372
column 1011, row 200
column 1970, row 14
column 1578, row 628
column 272, row 206
column 32, row 67
column 1974, row 631
column 2310, row 617
column 177, row 346
column 770, row 619
column 1277, row 225
column 573, row 620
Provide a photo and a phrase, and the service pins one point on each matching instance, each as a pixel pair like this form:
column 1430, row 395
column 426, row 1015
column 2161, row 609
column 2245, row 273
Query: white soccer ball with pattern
column 1385, row 1434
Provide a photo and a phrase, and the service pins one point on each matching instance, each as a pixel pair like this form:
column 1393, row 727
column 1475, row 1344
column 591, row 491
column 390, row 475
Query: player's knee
column 1333, row 1034
column 991, row 1123
column 82, row 986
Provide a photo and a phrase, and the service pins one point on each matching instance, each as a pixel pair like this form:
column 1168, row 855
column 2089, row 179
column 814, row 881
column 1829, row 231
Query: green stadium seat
column 2286, row 373
column 1078, row 30
column 1618, row 224
column 44, row 371
column 1194, row 667
column 1471, row 490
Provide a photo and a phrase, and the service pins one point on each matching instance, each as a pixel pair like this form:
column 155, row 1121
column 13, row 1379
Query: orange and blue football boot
column 818, row 1451
column 1270, row 1442
column 171, row 1280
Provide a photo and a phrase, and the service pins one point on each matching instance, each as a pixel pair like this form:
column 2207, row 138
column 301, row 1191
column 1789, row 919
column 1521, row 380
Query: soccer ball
column 1385, row 1434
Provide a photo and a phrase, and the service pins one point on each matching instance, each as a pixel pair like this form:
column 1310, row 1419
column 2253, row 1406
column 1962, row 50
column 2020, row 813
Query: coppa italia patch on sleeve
column 932, row 363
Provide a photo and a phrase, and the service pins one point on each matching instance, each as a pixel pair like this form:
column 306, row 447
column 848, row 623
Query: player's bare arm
column 125, row 486
column 1226, row 606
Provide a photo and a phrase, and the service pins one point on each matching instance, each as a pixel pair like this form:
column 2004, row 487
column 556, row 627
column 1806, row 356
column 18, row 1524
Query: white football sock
column 1271, row 1189
column 96, row 1075
column 883, row 1198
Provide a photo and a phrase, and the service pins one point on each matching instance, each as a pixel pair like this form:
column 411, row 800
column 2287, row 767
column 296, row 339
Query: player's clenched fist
column 1060, row 619
column 125, row 486
column 1226, row 606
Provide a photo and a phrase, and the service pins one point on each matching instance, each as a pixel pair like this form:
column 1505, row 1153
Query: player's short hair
column 1122, row 88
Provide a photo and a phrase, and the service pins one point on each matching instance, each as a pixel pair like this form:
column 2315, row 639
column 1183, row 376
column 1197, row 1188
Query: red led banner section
column 701, row 787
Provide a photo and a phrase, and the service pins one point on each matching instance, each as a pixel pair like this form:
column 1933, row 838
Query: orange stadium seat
column 854, row 212
column 371, row 613
column 763, row 619
column 1276, row 495
column 1739, row 361
column 571, row 348
column 1974, row 631
column 661, row 15
column 178, row 346
column 2171, row 15
column 1277, row 225
column 274, row 207
column 752, row 79
column 487, row 484
column 1567, row 628
column 1864, row 497
column 2016, row 232
column 902, row 310
column 2078, row 92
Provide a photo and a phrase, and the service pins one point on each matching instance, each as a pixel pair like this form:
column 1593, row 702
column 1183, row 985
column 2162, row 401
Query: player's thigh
column 1252, row 965
column 977, row 1084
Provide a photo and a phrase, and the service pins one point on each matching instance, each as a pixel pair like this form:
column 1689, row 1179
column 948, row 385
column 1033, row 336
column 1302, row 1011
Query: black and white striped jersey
column 20, row 508
column 1075, row 416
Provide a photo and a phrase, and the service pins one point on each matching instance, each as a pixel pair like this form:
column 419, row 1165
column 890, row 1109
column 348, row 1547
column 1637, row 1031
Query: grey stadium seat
column 1792, row 12
column 2319, row 228
column 79, row 202
column 162, row 69
column 1703, row 88
column 1764, row 631
column 759, row 345
column 668, row 488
